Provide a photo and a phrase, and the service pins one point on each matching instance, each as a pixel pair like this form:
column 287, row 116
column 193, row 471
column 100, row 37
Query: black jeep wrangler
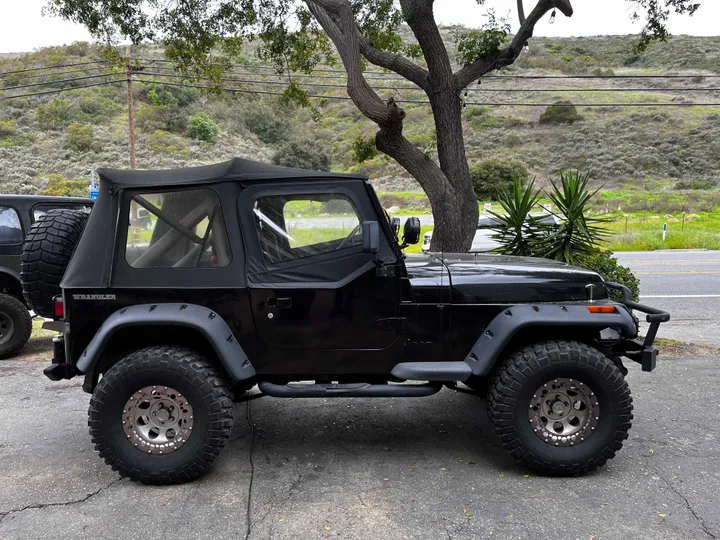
column 294, row 281
column 17, row 214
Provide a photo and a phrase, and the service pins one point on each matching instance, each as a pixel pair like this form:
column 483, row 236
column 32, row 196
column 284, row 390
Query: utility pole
column 131, row 109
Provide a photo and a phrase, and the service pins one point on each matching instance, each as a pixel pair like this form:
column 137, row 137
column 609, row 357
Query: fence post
column 683, row 222
column 626, row 223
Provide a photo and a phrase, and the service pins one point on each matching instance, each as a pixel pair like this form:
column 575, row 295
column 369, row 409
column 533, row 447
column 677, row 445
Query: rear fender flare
column 499, row 333
column 202, row 319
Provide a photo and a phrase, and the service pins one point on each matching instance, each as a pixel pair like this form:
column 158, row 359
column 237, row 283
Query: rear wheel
column 15, row 326
column 161, row 416
column 560, row 408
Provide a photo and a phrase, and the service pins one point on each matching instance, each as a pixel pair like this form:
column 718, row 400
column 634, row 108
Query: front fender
column 199, row 318
column 503, row 327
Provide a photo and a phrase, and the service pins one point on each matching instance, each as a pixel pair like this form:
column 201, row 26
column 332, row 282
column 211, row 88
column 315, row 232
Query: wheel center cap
column 163, row 415
column 558, row 407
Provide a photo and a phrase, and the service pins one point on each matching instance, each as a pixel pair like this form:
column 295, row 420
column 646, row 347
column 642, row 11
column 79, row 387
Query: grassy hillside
column 648, row 148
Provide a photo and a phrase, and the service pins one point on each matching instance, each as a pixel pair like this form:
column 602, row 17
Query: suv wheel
column 560, row 408
column 15, row 326
column 48, row 248
column 161, row 415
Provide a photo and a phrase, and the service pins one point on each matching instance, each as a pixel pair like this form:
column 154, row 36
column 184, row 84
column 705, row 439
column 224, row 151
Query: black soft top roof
column 227, row 171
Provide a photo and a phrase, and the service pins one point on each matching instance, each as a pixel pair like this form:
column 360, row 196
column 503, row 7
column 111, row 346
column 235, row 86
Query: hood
column 492, row 279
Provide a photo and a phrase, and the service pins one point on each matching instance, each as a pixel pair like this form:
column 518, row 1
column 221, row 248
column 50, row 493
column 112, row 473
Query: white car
column 483, row 240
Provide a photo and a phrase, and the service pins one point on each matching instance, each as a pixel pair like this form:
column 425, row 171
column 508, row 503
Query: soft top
column 235, row 169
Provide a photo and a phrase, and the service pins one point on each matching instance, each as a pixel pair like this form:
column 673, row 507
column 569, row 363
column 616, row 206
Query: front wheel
column 161, row 415
column 560, row 408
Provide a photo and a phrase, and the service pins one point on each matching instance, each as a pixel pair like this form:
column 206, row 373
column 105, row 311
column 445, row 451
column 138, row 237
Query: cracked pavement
column 351, row 468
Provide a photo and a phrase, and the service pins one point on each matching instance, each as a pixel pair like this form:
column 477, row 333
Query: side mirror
column 411, row 231
column 371, row 236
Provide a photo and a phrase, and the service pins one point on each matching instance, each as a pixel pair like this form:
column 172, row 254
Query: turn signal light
column 601, row 309
column 59, row 307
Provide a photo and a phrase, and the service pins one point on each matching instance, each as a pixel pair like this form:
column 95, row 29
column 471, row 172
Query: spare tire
column 46, row 253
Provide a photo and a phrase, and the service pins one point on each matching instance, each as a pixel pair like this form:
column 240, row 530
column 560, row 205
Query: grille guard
column 643, row 353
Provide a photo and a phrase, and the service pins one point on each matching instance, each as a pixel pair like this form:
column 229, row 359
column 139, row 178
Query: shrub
column 267, row 125
column 700, row 183
column 607, row 266
column 8, row 128
column 364, row 148
column 150, row 119
column 54, row 115
column 578, row 234
column 303, row 154
column 562, row 112
column 79, row 137
column 166, row 143
column 492, row 176
column 202, row 128
column 57, row 185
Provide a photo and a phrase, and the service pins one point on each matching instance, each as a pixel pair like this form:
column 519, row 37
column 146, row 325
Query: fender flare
column 204, row 320
column 498, row 334
column 11, row 274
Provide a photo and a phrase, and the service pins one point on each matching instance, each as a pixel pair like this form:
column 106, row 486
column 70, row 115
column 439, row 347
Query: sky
column 24, row 28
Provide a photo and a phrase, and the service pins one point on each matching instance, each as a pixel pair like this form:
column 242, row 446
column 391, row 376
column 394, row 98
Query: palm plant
column 578, row 235
column 516, row 231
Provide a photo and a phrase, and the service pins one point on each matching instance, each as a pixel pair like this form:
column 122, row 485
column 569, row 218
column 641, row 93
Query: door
column 311, row 284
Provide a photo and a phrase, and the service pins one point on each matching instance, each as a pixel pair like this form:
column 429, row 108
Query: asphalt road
column 391, row 469
column 685, row 283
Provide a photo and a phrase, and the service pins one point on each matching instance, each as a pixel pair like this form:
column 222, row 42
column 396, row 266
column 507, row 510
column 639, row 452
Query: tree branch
column 521, row 12
column 337, row 19
column 394, row 62
column 419, row 16
column 508, row 55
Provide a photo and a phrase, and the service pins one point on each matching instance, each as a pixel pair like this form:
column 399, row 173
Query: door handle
column 280, row 303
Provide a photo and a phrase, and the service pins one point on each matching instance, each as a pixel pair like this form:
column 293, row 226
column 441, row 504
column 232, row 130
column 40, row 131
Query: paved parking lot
column 404, row 468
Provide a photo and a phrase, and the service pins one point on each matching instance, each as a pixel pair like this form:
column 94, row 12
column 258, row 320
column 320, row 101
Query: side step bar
column 328, row 390
column 432, row 371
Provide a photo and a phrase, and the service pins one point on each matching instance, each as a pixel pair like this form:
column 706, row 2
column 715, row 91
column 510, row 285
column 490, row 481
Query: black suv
column 17, row 214
column 295, row 281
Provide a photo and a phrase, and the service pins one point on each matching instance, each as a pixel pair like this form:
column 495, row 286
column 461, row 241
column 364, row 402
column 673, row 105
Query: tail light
column 59, row 307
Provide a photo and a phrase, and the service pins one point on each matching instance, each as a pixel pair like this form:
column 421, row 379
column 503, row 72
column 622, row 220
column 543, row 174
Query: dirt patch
column 670, row 347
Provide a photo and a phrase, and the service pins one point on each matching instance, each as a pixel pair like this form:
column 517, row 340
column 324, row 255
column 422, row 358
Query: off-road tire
column 528, row 369
column 15, row 326
column 199, row 383
column 46, row 253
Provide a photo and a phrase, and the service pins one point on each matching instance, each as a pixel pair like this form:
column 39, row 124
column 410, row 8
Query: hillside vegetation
column 654, row 148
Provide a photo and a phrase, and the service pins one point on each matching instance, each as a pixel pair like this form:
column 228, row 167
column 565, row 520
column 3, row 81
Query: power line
column 415, row 88
column 422, row 102
column 57, row 91
column 44, row 75
column 392, row 74
column 56, row 82
column 3, row 74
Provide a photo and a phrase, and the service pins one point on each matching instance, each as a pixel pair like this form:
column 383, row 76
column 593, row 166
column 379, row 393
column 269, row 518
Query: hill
column 621, row 145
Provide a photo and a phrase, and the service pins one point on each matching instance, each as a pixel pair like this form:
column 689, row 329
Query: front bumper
column 641, row 352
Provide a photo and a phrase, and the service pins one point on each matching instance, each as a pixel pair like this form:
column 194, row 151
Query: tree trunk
column 457, row 218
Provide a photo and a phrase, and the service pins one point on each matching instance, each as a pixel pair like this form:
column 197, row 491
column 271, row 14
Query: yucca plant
column 578, row 235
column 516, row 230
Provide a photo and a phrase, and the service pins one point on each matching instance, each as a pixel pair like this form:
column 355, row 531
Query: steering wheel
column 349, row 237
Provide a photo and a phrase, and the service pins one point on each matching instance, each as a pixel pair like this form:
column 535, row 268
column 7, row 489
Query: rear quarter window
column 11, row 232
column 179, row 229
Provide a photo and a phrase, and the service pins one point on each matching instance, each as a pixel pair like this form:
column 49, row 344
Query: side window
column 179, row 229
column 10, row 228
column 42, row 209
column 296, row 226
